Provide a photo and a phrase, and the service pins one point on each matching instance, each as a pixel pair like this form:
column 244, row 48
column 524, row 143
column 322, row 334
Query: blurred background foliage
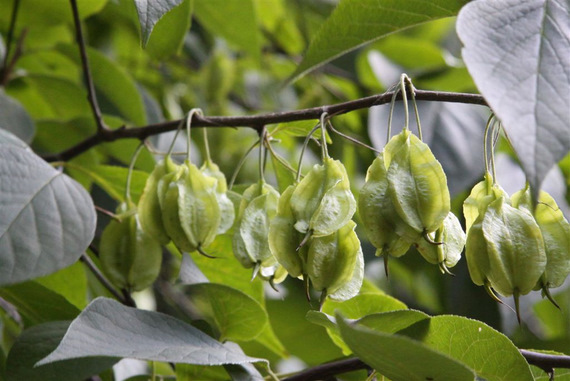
column 236, row 59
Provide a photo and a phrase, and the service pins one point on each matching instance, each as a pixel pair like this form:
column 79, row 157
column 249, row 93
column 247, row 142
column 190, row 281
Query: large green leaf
column 234, row 20
column 356, row 22
column 236, row 315
column 169, row 33
column 107, row 328
column 400, row 358
column 518, row 52
column 488, row 352
column 36, row 343
column 116, row 90
column 37, row 304
column 149, row 12
column 71, row 283
column 15, row 118
column 47, row 220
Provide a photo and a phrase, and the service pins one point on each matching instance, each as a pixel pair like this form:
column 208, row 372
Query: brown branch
column 257, row 121
column 102, row 128
column 8, row 64
column 544, row 361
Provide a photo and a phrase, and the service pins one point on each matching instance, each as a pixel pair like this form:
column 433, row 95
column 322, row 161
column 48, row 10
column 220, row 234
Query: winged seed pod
column 227, row 213
column 379, row 218
column 474, row 203
column 514, row 249
column 555, row 231
column 284, row 239
column 150, row 214
column 250, row 240
column 322, row 202
column 448, row 254
column 418, row 185
column 190, row 209
column 129, row 257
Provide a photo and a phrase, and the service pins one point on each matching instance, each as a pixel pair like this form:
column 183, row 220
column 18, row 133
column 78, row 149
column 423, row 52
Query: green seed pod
column 448, row 254
column 331, row 259
column 227, row 213
column 250, row 240
column 150, row 214
column 322, row 202
column 418, row 185
column 130, row 258
column 473, row 203
column 516, row 243
column 351, row 288
column 284, row 239
column 380, row 220
column 198, row 206
column 555, row 231
column 190, row 210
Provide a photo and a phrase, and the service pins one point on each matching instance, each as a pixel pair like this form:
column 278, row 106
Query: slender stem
column 405, row 99
column 278, row 157
column 493, row 142
column 5, row 71
column 130, row 173
column 102, row 128
column 416, row 111
column 262, row 138
column 258, row 121
column 353, row 140
column 102, row 279
column 305, row 144
column 240, row 164
column 485, row 138
column 189, row 118
column 178, row 128
column 324, row 150
column 206, row 146
column 391, row 114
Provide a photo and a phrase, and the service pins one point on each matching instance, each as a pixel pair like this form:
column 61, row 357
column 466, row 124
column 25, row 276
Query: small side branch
column 102, row 128
column 258, row 121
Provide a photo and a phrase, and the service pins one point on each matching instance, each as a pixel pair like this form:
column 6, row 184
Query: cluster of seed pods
column 405, row 201
column 514, row 247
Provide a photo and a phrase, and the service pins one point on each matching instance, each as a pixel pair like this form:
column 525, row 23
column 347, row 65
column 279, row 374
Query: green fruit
column 250, row 240
column 322, row 202
column 130, row 258
column 418, row 185
column 284, row 239
column 331, row 259
column 448, row 253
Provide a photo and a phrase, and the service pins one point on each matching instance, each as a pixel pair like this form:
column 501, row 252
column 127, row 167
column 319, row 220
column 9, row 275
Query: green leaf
column 47, row 220
column 169, row 33
column 234, row 20
column 150, row 12
column 71, row 283
column 15, row 118
column 400, row 358
column 107, row 328
column 113, row 179
column 518, row 53
column 116, row 91
column 488, row 352
column 236, row 315
column 363, row 304
column 38, row 304
column 40, row 14
column 36, row 343
column 357, row 307
column 392, row 321
column 356, row 22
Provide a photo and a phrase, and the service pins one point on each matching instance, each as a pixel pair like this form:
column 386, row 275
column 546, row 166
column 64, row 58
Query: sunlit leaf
column 149, row 12
column 47, row 219
column 356, row 22
column 518, row 52
column 107, row 328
